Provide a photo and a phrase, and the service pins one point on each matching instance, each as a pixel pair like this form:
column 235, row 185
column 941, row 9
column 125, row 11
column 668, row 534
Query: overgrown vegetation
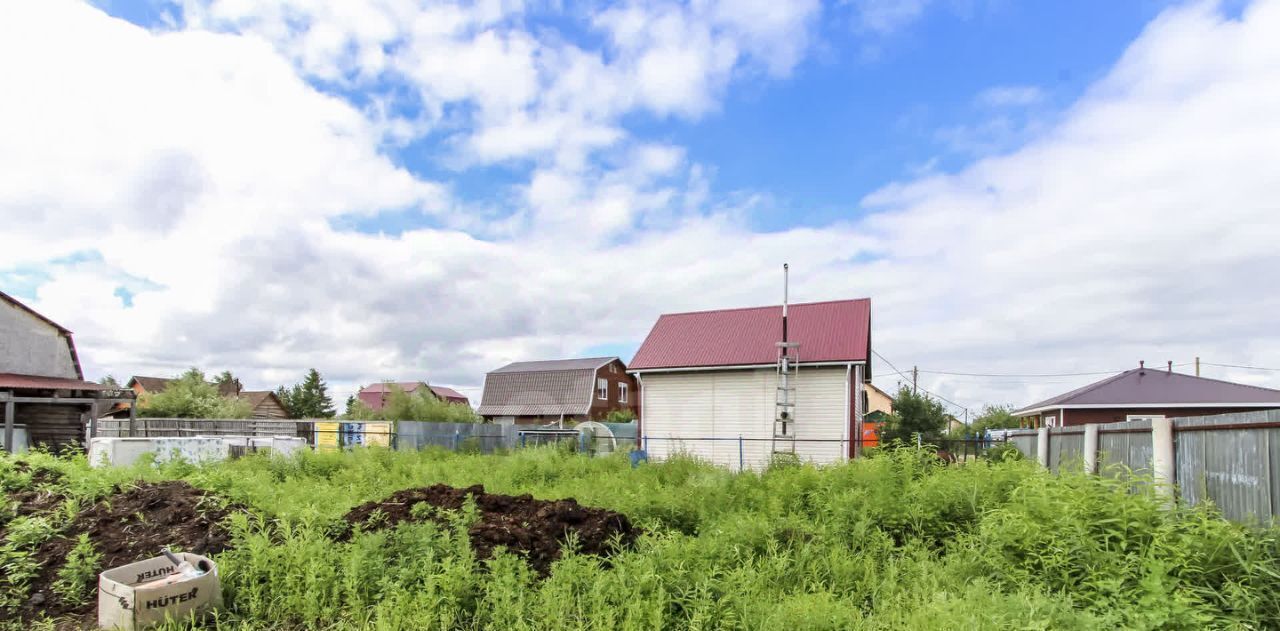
column 419, row 405
column 898, row 541
column 191, row 396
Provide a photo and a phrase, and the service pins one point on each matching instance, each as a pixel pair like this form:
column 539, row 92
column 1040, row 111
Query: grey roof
column 585, row 363
column 1149, row 386
column 562, row 386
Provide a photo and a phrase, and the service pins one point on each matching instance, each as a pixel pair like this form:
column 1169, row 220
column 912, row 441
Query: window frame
column 622, row 392
column 602, row 389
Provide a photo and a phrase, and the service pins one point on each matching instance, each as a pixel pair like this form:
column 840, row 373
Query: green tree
column 227, row 382
column 914, row 413
column 995, row 417
column 110, row 382
column 309, row 399
column 191, row 396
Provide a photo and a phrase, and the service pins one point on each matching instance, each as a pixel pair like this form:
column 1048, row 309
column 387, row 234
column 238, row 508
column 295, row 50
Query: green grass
column 891, row 542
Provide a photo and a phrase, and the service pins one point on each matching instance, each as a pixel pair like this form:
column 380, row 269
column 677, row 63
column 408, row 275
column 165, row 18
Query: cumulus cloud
column 205, row 162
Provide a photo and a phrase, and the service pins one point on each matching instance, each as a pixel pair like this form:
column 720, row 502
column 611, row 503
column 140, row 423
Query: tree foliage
column 110, row 382
column 191, row 396
column 914, row 413
column 309, row 399
column 419, row 405
column 995, row 417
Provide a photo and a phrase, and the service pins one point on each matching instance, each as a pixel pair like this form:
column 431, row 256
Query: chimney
column 1141, row 365
column 1171, row 366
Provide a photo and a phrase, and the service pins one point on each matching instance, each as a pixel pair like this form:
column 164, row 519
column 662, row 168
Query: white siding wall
column 731, row 403
column 29, row 346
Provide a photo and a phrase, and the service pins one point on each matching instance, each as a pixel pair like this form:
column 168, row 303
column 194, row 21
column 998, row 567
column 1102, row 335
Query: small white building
column 709, row 383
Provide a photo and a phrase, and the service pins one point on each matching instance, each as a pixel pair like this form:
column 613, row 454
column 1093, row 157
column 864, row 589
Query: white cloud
column 887, row 16
column 1010, row 96
column 1143, row 225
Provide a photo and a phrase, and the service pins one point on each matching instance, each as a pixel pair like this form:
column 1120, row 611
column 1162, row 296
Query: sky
column 404, row 190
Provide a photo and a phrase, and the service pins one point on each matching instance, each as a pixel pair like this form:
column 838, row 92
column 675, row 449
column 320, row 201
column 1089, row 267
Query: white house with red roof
column 709, row 383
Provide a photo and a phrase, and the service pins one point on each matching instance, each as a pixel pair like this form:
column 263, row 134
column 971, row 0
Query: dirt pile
column 130, row 525
column 534, row 529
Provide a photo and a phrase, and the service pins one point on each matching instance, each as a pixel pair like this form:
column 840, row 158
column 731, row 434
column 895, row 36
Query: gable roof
column 71, row 343
column 537, row 388
column 150, row 384
column 836, row 331
column 156, row 385
column 447, row 393
column 258, row 397
column 584, row 363
column 384, row 386
column 1152, row 387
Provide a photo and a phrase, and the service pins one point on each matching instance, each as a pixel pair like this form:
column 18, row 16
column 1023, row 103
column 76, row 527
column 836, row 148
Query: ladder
column 784, row 417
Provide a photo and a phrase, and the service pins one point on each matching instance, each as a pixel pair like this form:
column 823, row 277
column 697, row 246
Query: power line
column 1237, row 366
column 906, row 376
column 1049, row 375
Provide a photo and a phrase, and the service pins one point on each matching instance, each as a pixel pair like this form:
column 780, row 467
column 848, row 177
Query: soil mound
column 130, row 525
column 534, row 529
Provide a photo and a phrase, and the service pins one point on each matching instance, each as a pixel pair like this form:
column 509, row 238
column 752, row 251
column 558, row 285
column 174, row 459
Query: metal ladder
column 784, row 417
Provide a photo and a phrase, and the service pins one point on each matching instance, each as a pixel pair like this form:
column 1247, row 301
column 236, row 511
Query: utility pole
column 915, row 378
column 1197, row 366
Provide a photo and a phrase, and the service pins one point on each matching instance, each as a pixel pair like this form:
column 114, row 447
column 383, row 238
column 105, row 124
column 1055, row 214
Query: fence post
column 1162, row 456
column 1042, row 447
column 455, row 439
column 740, row 458
column 1091, row 448
column 919, row 443
column 522, row 437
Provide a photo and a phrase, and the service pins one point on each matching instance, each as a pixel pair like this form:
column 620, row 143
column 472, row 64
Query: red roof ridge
column 777, row 306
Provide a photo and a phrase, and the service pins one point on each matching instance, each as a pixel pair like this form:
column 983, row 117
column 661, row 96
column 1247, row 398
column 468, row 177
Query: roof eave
column 803, row 365
column 1120, row 406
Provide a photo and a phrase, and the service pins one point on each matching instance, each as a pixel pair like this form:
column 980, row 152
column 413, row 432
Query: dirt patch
column 127, row 526
column 534, row 529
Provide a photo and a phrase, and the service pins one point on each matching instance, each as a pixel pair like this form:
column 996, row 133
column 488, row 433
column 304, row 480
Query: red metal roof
column 405, row 386
column 836, row 331
column 1153, row 386
column 35, row 382
column 448, row 393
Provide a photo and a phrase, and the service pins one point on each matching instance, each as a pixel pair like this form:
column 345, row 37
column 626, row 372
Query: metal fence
column 743, row 453
column 1231, row 460
column 329, row 434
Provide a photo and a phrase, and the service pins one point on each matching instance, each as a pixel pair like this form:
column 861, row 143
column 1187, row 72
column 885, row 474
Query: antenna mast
column 784, row 431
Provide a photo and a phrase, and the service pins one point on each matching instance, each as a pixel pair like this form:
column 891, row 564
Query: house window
column 622, row 393
column 1143, row 417
column 602, row 389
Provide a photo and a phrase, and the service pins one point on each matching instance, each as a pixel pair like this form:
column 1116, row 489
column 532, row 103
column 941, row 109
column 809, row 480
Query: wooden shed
column 42, row 387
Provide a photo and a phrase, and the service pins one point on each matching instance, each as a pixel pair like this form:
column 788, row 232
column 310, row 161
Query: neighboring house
column 265, row 403
column 1144, row 393
column 877, row 400
column 44, row 398
column 375, row 396
column 540, row 392
column 709, row 377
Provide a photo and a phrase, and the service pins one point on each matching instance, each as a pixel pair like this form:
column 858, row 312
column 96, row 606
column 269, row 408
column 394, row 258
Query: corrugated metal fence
column 1232, row 460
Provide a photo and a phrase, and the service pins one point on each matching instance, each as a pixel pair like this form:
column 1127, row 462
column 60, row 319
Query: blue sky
column 864, row 110
column 428, row 190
